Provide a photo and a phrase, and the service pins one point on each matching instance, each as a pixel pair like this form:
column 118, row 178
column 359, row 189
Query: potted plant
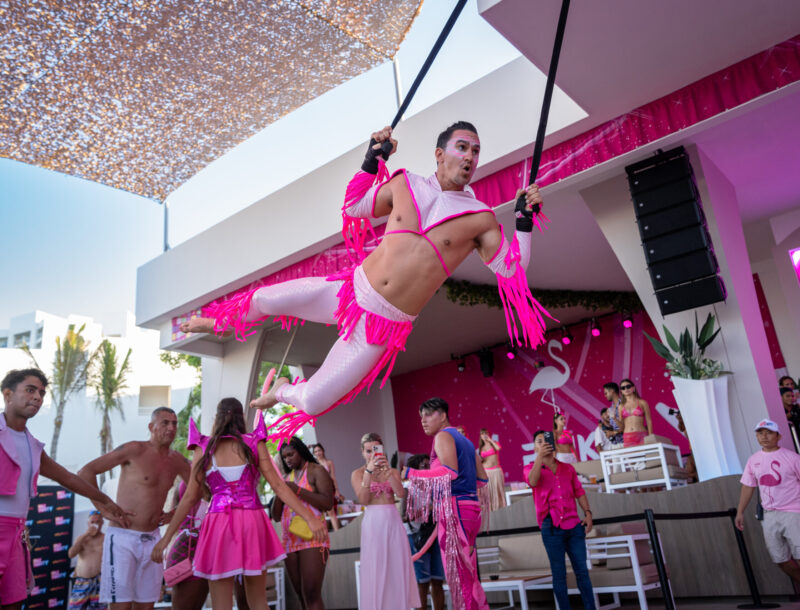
column 701, row 391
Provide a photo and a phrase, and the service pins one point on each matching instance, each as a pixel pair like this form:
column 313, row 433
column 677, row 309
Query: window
column 152, row 396
column 3, row 341
column 21, row 339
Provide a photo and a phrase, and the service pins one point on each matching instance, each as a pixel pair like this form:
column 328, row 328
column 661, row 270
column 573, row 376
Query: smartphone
column 377, row 450
column 550, row 438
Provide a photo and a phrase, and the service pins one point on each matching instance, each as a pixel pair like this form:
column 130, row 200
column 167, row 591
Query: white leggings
column 349, row 361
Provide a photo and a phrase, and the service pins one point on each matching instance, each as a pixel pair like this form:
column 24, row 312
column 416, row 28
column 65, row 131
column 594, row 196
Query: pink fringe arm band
column 524, row 314
column 359, row 206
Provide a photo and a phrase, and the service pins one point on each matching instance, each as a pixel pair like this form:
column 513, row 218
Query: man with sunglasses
column 88, row 548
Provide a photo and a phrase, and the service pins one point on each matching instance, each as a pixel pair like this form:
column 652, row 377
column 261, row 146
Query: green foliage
column 109, row 378
column 176, row 359
column 685, row 355
column 467, row 293
column 192, row 409
column 70, row 368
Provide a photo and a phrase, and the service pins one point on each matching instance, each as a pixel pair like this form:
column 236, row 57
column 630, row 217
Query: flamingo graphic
column 550, row 378
column 767, row 480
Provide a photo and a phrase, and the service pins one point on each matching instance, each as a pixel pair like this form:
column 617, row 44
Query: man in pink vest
column 21, row 460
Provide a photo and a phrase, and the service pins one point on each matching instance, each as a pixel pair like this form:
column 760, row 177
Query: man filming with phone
column 556, row 489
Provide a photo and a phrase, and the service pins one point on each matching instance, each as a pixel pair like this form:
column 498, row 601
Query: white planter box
column 704, row 407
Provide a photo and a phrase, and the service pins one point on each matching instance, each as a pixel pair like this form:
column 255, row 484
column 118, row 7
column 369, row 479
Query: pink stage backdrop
column 519, row 398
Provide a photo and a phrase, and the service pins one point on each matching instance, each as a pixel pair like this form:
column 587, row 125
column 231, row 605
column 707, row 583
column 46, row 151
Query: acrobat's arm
column 524, row 314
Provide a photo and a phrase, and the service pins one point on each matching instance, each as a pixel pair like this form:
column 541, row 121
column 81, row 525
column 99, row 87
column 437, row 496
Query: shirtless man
column 129, row 579
column 433, row 225
column 88, row 548
column 22, row 459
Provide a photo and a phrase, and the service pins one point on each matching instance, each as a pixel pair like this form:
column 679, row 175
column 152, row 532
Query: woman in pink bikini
column 634, row 420
column 489, row 450
column 565, row 444
column 387, row 578
column 305, row 559
column 235, row 537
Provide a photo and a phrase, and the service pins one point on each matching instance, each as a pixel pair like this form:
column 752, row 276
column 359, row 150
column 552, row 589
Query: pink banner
column 520, row 398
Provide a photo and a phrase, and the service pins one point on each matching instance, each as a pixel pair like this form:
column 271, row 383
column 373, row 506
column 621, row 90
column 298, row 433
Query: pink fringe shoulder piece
column 524, row 314
column 357, row 232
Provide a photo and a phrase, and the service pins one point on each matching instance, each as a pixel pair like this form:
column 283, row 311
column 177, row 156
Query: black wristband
column 367, row 470
column 523, row 215
column 370, row 164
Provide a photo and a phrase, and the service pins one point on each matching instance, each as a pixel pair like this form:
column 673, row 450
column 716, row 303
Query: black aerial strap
column 387, row 146
column 548, row 96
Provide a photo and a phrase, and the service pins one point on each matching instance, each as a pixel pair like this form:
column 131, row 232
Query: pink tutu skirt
column 236, row 542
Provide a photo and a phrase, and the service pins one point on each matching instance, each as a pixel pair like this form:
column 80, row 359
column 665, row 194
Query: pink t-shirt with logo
column 777, row 476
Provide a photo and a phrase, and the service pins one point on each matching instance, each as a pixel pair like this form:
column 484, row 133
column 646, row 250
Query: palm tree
column 109, row 379
column 70, row 366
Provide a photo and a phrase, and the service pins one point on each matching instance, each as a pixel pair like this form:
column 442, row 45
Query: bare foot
column 202, row 325
column 268, row 400
column 198, row 325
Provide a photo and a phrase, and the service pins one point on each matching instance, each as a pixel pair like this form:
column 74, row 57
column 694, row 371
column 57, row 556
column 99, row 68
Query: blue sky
column 73, row 246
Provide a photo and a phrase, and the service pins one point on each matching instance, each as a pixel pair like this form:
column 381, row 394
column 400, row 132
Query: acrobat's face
column 457, row 161
column 26, row 399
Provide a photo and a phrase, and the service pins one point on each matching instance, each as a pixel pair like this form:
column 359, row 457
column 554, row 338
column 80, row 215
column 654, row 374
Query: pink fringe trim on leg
column 379, row 330
column 357, row 232
column 232, row 313
column 524, row 314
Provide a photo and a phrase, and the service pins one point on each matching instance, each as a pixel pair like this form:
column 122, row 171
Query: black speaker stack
column 677, row 246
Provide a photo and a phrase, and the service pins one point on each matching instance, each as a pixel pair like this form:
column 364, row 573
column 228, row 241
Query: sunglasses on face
column 625, row 387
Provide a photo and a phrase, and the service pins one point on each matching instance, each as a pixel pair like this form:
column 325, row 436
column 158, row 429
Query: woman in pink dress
column 387, row 578
column 305, row 559
column 235, row 537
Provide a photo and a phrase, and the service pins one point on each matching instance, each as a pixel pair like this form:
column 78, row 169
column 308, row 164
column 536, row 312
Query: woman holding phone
column 387, row 574
column 305, row 558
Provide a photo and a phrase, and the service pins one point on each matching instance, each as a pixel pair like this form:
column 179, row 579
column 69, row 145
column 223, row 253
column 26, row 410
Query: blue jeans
column 557, row 542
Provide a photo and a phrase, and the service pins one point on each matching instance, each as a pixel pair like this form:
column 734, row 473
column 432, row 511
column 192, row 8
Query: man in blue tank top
column 450, row 488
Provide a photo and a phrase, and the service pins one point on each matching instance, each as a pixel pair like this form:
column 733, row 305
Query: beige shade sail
column 142, row 94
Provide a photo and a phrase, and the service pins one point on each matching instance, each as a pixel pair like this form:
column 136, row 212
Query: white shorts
column 128, row 574
column 782, row 534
